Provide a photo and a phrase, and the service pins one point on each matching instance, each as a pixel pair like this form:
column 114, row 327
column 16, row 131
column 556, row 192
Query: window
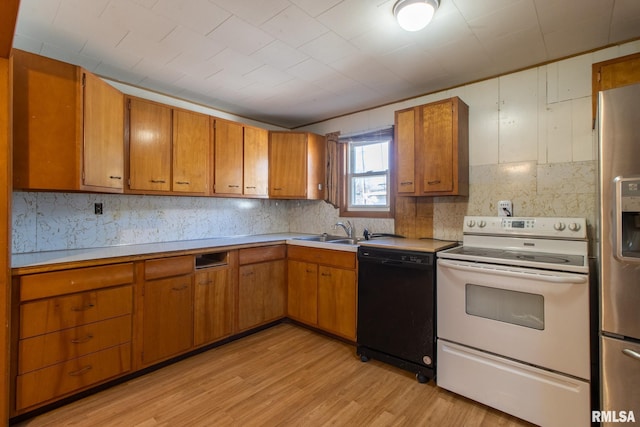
column 366, row 184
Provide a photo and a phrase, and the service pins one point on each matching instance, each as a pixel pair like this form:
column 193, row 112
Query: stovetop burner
column 529, row 257
column 544, row 243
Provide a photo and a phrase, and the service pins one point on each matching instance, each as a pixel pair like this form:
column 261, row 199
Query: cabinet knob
column 574, row 226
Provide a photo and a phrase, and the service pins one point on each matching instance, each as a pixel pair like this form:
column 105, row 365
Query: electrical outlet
column 97, row 208
column 505, row 208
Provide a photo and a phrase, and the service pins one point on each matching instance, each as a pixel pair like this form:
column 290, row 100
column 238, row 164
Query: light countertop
column 36, row 259
column 419, row 245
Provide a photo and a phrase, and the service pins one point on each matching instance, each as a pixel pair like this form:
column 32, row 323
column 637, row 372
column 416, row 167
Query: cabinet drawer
column 57, row 380
column 49, row 349
column 264, row 253
column 169, row 267
column 54, row 314
column 44, row 285
column 323, row 256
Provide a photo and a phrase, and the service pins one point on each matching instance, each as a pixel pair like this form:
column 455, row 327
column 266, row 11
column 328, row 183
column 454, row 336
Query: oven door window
column 514, row 307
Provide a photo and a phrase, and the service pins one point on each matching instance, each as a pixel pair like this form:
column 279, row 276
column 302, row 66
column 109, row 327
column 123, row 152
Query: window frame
column 345, row 181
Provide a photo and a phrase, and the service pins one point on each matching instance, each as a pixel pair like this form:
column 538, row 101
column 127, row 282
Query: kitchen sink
column 327, row 238
column 321, row 238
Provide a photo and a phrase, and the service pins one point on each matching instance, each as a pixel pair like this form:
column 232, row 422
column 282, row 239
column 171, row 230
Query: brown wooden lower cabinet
column 337, row 301
column 79, row 327
column 76, row 374
column 322, row 289
column 74, row 331
column 213, row 304
column 262, row 292
column 167, row 326
column 302, row 295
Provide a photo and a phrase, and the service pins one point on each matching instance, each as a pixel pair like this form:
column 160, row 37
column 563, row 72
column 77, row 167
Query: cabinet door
column 302, row 282
column 256, row 161
column 149, row 146
column 47, row 123
column 167, row 318
column 213, row 307
column 288, row 165
column 437, row 150
column 614, row 73
column 261, row 293
column 337, row 301
column 228, row 157
column 103, row 154
column 191, row 141
column 405, row 151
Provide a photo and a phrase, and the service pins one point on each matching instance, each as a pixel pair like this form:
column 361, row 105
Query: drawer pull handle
column 406, row 183
column 233, row 186
column 204, row 283
column 158, row 181
column 253, row 187
column 310, row 271
column 247, row 273
column 277, row 188
column 183, row 182
column 433, row 182
column 88, row 338
column 83, row 308
column 81, row 371
column 325, row 274
column 180, row 288
column 114, row 177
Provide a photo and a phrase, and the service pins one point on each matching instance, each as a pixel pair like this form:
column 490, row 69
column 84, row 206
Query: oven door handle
column 570, row 279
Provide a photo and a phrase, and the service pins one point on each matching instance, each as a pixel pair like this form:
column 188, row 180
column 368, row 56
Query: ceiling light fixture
column 414, row 15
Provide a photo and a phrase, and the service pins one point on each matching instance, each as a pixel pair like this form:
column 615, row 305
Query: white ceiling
column 295, row 62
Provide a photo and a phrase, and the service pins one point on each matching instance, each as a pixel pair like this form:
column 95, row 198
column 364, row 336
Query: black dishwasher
column 396, row 309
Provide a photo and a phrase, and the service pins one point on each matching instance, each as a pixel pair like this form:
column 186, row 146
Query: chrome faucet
column 348, row 228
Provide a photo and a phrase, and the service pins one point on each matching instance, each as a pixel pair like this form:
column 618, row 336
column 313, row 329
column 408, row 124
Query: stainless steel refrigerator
column 619, row 142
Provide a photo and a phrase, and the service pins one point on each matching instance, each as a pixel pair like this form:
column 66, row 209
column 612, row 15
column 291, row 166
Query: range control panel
column 559, row 227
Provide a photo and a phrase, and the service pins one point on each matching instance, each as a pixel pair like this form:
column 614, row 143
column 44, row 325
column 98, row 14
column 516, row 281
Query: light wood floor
column 283, row 376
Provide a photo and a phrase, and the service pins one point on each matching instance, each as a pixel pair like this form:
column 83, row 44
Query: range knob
column 558, row 226
column 574, row 226
column 471, row 223
column 482, row 224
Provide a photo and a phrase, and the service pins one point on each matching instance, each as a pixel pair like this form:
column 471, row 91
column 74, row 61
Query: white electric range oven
column 513, row 318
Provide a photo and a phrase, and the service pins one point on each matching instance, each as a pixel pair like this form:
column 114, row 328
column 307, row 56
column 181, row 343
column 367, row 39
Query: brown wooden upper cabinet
column 67, row 128
column 168, row 149
column 256, row 162
column 241, row 159
column 296, row 165
column 614, row 73
column 432, row 149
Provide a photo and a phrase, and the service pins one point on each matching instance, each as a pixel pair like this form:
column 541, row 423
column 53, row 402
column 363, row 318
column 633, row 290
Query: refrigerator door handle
column 632, row 354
